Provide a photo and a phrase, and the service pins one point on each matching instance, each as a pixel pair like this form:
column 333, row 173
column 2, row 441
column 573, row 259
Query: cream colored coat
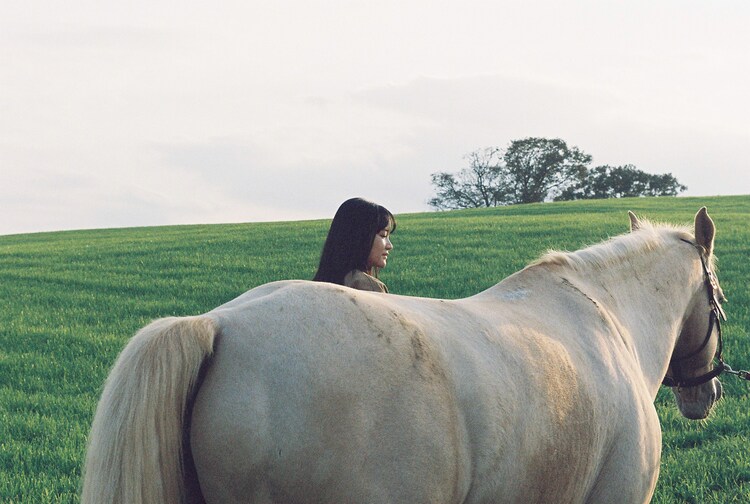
column 538, row 390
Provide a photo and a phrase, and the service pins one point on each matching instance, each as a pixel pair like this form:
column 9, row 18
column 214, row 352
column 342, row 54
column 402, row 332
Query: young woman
column 357, row 246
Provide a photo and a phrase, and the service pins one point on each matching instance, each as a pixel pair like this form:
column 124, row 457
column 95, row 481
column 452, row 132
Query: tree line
column 534, row 170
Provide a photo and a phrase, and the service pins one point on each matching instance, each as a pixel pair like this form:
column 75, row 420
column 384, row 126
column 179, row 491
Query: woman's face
column 381, row 246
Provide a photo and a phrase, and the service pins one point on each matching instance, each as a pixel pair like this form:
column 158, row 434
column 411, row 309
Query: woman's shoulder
column 360, row 280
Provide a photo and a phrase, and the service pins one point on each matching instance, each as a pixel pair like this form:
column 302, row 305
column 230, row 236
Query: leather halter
column 715, row 317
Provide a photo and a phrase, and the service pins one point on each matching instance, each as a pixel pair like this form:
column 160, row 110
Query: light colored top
column 357, row 279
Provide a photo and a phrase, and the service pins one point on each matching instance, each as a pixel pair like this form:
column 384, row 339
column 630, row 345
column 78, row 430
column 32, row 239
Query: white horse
column 539, row 389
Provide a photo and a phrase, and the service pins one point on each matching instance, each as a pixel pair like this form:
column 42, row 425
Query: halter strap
column 715, row 317
column 706, row 377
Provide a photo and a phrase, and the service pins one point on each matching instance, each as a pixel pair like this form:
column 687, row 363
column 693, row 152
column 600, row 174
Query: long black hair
column 350, row 238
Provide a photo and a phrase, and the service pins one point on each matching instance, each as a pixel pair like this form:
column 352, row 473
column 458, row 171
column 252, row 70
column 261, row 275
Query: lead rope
column 745, row 375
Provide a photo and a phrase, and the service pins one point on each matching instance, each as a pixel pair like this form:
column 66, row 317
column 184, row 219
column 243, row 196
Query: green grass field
column 70, row 301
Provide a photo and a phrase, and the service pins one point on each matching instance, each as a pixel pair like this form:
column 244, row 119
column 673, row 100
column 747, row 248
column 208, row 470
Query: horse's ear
column 705, row 231
column 634, row 222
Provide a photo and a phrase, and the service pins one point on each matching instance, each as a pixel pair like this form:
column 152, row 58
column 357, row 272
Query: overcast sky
column 149, row 112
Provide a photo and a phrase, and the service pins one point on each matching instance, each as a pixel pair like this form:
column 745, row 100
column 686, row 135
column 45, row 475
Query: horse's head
column 692, row 373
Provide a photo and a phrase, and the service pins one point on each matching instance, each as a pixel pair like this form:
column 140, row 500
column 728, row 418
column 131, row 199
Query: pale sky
column 146, row 112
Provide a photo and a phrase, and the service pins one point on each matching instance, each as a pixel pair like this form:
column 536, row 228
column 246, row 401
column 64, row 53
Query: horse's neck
column 648, row 295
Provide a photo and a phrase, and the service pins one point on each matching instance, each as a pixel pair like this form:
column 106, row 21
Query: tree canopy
column 533, row 170
column 480, row 185
column 622, row 182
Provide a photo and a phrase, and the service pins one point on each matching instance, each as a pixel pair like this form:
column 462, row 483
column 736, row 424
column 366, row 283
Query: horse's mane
column 648, row 237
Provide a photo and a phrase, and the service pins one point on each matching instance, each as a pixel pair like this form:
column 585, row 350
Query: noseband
column 715, row 317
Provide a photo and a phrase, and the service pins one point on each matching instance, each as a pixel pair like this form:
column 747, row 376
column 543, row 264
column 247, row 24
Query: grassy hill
column 70, row 300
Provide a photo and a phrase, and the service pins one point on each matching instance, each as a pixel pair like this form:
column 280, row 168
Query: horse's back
column 318, row 393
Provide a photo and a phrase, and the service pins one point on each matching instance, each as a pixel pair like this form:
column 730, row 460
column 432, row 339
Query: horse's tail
column 135, row 452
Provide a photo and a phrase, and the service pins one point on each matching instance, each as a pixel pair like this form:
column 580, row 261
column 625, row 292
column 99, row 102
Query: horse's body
column 539, row 389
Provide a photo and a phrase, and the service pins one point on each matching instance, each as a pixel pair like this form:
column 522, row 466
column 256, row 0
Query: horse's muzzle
column 695, row 403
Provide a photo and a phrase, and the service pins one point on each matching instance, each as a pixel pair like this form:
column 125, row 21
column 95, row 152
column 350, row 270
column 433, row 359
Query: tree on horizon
column 533, row 170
